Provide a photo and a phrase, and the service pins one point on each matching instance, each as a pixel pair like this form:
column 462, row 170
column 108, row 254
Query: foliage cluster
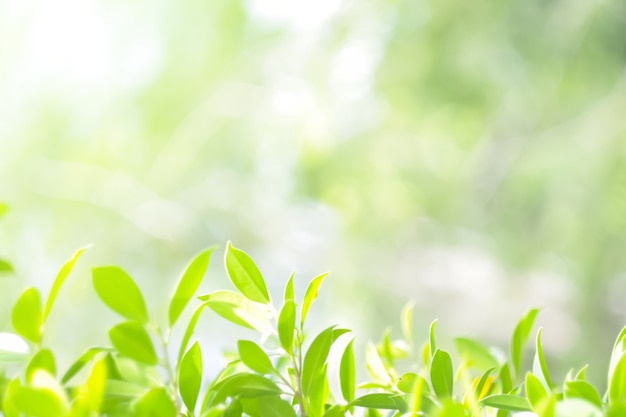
column 286, row 372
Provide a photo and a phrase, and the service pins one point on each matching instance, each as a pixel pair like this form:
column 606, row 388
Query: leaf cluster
column 285, row 372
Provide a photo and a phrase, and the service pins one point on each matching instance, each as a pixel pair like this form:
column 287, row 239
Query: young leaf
column 26, row 316
column 189, row 331
column 584, row 390
column 91, row 393
column 240, row 310
column 519, row 338
column 441, row 374
column 617, row 384
column 347, row 377
column 289, row 294
column 87, row 356
column 254, row 357
column 245, row 275
column 37, row 402
column 381, row 401
column 310, row 295
column 44, row 359
column 190, row 376
column 244, row 385
column 155, row 403
column 316, row 356
column 407, row 323
column 287, row 325
column 188, row 284
column 432, row 341
column 12, row 348
column 59, row 280
column 132, row 340
column 275, row 407
column 535, row 391
column 319, row 393
column 506, row 402
column 475, row 354
column 5, row 266
column 118, row 291
column 540, row 366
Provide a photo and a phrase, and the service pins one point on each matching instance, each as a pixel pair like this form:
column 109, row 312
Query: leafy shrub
column 285, row 372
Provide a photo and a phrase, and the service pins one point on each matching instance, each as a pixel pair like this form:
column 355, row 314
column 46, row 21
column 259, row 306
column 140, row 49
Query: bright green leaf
column 44, row 359
column 275, row 407
column 240, row 310
column 316, row 356
column 118, row 291
column 318, row 394
column 188, row 284
column 254, row 357
column 536, row 393
column 190, row 376
column 131, row 339
column 189, row 331
column 59, row 280
column 155, row 403
column 243, row 385
column 310, row 295
column 519, row 338
column 540, row 366
column 87, row 356
column 506, row 402
column 37, row 402
column 441, row 374
column 381, row 401
column 287, row 325
column 475, row 354
column 245, row 275
column 347, row 373
column 617, row 384
column 5, row 266
column 289, row 294
column 27, row 315
column 584, row 390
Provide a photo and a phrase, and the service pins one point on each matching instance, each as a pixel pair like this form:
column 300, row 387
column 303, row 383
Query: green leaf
column 617, row 384
column 27, row 315
column 289, row 294
column 540, row 366
column 506, row 402
column 5, row 266
column 319, row 393
column 536, row 393
column 287, row 325
column 475, row 354
column 584, row 390
column 505, row 378
column 240, row 310
column 243, row 385
column 441, row 374
column 407, row 323
column 245, row 275
column 188, row 284
column 87, row 356
column 432, row 341
column 37, row 402
column 44, row 359
column 254, row 357
column 131, row 339
column 275, row 407
column 310, row 295
column 92, row 391
column 347, row 378
column 381, row 401
column 59, row 280
column 519, row 338
column 12, row 348
column 189, row 331
column 316, row 356
column 118, row 291
column 190, row 376
column 155, row 403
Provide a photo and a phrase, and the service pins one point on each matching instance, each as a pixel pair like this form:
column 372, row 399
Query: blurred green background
column 468, row 156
